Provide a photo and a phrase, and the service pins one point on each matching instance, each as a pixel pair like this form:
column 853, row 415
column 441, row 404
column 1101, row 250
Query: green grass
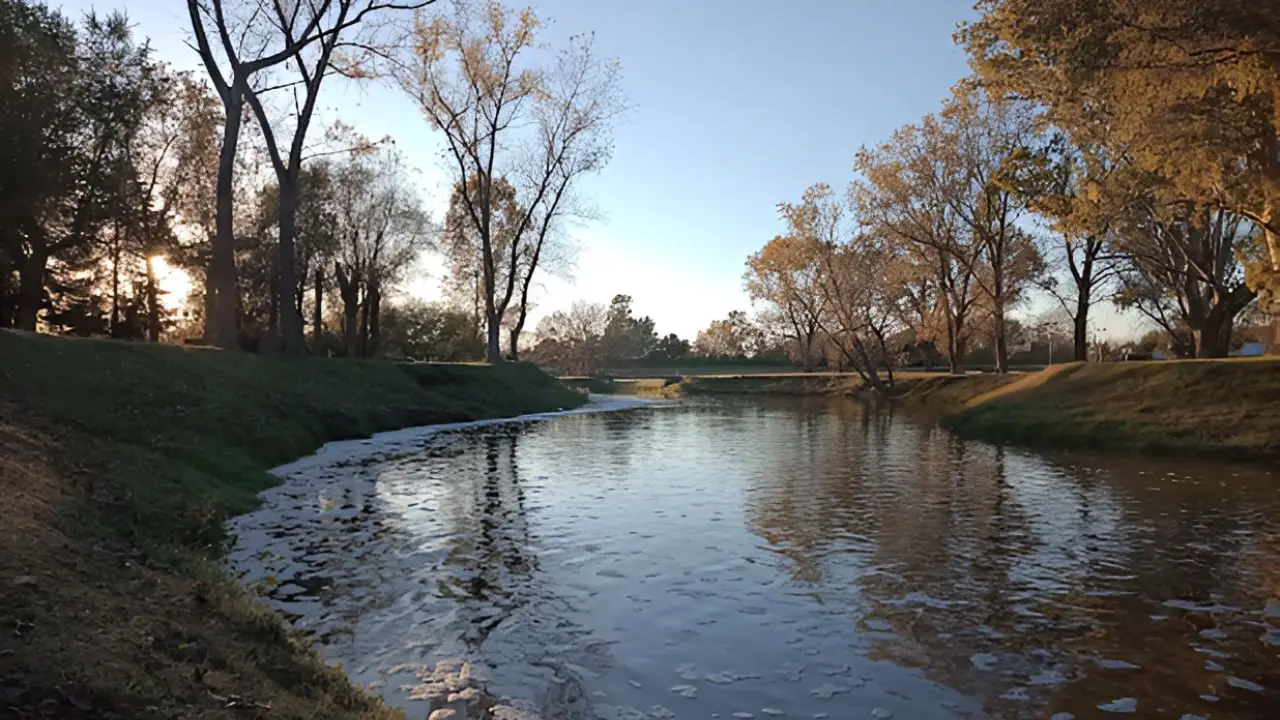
column 148, row 449
column 1228, row 408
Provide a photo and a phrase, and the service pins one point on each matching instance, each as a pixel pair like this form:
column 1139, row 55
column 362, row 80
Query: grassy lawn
column 122, row 461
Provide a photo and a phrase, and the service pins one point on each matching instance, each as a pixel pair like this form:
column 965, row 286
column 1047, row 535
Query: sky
column 736, row 105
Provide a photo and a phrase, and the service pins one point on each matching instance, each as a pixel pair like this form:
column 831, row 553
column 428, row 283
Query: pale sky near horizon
column 737, row 106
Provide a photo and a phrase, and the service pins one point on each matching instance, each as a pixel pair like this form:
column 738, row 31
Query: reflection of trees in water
column 998, row 572
column 490, row 551
column 492, row 575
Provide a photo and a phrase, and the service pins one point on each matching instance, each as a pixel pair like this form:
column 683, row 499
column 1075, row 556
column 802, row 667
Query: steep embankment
column 1223, row 407
column 119, row 464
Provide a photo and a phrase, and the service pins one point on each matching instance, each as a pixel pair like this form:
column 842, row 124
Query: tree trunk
column 115, row 279
column 291, row 340
column 221, row 297
column 493, row 350
column 30, row 291
column 153, row 303
column 953, row 353
column 1001, row 340
column 517, row 329
column 373, row 302
column 6, row 271
column 1213, row 337
column 514, row 337
column 317, row 310
column 955, row 344
column 349, row 291
column 1080, row 331
column 363, row 334
column 350, row 326
column 269, row 343
column 300, row 293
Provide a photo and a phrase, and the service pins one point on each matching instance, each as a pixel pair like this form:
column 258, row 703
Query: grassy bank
column 784, row 384
column 1212, row 407
column 122, row 460
column 1229, row 408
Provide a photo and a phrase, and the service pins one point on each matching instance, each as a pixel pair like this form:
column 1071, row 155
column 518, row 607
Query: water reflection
column 789, row 556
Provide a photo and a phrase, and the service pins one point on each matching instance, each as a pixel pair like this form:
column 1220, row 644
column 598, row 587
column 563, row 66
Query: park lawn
column 121, row 463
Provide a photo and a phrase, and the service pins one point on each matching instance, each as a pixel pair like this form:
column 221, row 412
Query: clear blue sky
column 738, row 105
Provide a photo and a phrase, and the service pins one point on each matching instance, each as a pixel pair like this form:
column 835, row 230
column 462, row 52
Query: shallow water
column 779, row 558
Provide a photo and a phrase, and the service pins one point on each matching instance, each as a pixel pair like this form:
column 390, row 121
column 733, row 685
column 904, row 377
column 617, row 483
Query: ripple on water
column 771, row 557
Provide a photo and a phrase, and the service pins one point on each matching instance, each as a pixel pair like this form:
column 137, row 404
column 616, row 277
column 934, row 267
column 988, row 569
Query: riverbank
column 751, row 384
column 1227, row 408
column 121, row 463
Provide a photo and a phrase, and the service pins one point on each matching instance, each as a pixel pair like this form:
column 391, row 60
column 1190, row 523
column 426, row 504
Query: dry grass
column 98, row 631
column 1225, row 407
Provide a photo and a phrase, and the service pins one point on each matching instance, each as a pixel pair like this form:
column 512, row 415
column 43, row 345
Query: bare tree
column 381, row 231
column 541, row 129
column 253, row 37
column 1074, row 187
column 860, row 306
column 1187, row 274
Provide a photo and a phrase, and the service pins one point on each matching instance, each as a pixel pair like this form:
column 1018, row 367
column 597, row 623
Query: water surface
column 783, row 558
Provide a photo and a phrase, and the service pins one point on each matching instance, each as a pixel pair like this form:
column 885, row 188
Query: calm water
column 780, row 558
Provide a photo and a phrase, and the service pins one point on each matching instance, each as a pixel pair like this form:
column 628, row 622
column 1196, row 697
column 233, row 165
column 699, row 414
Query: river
column 799, row 558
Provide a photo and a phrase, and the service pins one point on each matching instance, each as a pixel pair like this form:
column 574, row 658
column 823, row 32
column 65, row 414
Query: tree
column 904, row 194
column 177, row 161
column 572, row 340
column 988, row 139
column 312, row 37
column 1188, row 89
column 670, row 347
column 861, row 299
column 1187, row 276
column 1077, row 188
column 463, row 248
column 423, row 331
column 626, row 337
column 380, row 231
column 784, row 274
column 71, row 112
column 306, row 38
column 316, row 238
column 732, row 337
column 540, row 129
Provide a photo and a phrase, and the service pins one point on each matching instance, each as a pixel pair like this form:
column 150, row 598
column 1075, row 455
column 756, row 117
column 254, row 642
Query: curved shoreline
column 122, row 462
column 1213, row 408
column 281, row 551
column 392, row 441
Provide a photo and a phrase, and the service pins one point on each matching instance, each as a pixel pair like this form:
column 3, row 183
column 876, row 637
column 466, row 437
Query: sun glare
column 174, row 282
